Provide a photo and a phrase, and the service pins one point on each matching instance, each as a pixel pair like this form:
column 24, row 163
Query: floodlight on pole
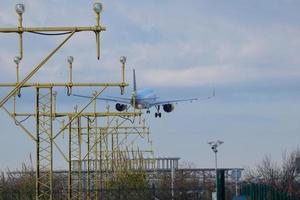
column 214, row 147
column 70, row 60
column 20, row 8
column 17, row 60
column 98, row 8
column 123, row 60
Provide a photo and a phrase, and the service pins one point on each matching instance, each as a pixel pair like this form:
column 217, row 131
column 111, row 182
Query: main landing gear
column 158, row 114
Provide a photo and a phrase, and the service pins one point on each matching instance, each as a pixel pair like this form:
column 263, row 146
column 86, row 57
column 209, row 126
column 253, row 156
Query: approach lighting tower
column 44, row 116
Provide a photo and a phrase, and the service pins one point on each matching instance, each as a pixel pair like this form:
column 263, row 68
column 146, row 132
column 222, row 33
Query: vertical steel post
column 44, row 127
column 70, row 160
column 172, row 181
column 51, row 142
column 88, row 161
column 98, row 35
column 20, row 19
column 37, row 183
column 79, row 135
column 216, row 171
column 221, row 184
column 76, row 178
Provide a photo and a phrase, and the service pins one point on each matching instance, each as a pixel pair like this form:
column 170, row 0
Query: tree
column 282, row 177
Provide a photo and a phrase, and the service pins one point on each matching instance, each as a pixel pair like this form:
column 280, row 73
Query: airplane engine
column 168, row 108
column 121, row 107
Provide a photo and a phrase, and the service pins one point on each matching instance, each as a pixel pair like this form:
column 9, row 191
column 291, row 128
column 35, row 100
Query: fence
column 118, row 194
column 264, row 192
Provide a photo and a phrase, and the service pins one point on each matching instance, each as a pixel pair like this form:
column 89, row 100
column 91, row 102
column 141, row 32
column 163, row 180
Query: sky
column 246, row 50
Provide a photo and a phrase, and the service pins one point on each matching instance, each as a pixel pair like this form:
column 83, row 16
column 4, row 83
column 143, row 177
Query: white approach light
column 123, row 59
column 98, row 7
column 17, row 60
column 70, row 59
column 20, row 8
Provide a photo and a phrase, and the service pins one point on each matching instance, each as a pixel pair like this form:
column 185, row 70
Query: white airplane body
column 144, row 99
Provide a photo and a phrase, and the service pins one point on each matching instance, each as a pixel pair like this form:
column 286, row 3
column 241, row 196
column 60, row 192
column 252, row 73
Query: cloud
column 214, row 75
column 173, row 41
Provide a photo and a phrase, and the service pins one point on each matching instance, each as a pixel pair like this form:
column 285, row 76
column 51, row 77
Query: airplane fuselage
column 145, row 98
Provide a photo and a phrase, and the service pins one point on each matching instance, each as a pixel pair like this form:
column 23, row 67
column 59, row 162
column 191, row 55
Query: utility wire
column 50, row 34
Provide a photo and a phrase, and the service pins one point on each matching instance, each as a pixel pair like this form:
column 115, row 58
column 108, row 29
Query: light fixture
column 214, row 147
column 70, row 59
column 20, row 8
column 98, row 7
column 17, row 60
column 123, row 59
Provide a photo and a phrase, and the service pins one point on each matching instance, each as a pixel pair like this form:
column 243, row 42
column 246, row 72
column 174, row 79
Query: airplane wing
column 183, row 100
column 173, row 101
column 112, row 99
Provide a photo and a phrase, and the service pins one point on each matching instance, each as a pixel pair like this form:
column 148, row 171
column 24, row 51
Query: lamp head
column 17, row 60
column 20, row 8
column 123, row 59
column 98, row 8
column 70, row 59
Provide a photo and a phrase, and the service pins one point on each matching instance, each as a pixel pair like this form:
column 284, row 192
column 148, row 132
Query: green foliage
column 128, row 180
column 131, row 185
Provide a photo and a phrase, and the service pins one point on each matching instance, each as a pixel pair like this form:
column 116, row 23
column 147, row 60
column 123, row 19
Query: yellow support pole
column 84, row 114
column 65, row 85
column 70, row 161
column 52, row 29
column 44, row 143
column 37, row 175
column 88, row 161
column 20, row 19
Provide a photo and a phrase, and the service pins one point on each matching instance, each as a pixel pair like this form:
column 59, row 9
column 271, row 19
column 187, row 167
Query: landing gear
column 158, row 114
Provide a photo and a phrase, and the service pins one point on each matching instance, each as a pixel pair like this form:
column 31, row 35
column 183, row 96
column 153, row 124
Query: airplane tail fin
column 213, row 94
column 134, row 81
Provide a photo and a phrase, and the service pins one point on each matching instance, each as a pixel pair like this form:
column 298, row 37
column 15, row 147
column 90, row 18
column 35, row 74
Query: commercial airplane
column 144, row 99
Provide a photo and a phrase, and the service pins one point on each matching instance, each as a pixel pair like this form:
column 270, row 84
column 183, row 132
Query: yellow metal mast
column 44, row 127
